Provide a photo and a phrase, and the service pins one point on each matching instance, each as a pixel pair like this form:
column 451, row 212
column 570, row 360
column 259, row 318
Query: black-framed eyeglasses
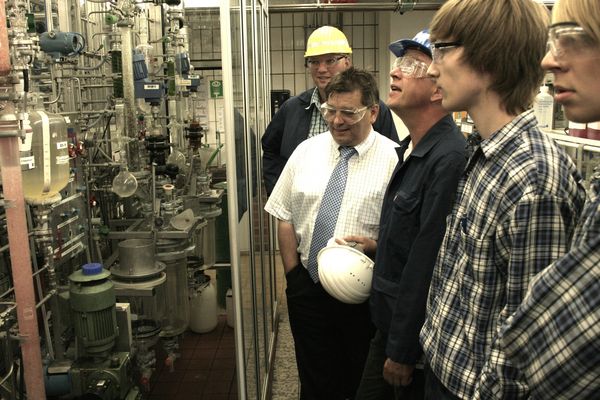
column 329, row 62
column 568, row 39
column 440, row 48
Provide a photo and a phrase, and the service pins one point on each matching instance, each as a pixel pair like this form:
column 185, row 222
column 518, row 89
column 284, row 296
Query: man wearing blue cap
column 412, row 224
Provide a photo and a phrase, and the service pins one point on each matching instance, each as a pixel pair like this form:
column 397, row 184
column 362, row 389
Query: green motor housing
column 93, row 312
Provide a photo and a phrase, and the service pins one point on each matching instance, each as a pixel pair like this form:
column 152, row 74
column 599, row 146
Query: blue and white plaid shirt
column 317, row 123
column 554, row 337
column 516, row 208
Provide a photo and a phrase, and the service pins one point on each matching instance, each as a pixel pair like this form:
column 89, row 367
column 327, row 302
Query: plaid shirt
column 516, row 207
column 317, row 123
column 554, row 337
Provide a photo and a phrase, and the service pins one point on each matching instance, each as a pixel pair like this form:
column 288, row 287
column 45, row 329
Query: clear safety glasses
column 439, row 49
column 567, row 39
column 350, row 117
column 314, row 63
column 411, row 67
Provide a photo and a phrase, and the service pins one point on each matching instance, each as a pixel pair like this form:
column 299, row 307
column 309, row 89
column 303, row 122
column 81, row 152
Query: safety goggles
column 411, row 67
column 330, row 62
column 350, row 117
column 439, row 50
column 567, row 39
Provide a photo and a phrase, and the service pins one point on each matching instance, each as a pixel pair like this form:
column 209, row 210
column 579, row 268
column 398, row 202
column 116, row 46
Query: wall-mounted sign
column 216, row 89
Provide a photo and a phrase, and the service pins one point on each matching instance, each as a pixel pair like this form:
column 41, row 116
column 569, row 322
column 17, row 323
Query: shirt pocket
column 403, row 221
column 405, row 202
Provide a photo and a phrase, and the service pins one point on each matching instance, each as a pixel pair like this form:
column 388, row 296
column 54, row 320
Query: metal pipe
column 21, row 267
column 392, row 6
column 283, row 8
column 48, row 15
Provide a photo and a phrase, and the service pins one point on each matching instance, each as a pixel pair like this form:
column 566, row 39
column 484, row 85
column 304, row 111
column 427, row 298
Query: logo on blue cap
column 420, row 42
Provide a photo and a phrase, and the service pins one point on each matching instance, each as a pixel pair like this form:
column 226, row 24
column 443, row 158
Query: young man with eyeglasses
column 411, row 227
column 331, row 338
column 517, row 202
column 554, row 336
column 327, row 53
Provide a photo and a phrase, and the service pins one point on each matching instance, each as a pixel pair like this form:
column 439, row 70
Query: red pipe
column 20, row 260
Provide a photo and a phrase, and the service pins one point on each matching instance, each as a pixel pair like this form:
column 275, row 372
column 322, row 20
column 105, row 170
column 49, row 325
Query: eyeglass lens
column 567, row 38
column 438, row 50
column 349, row 116
column 410, row 67
column 329, row 62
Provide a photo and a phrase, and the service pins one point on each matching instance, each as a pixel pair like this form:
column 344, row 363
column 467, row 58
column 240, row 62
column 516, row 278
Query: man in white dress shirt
column 332, row 338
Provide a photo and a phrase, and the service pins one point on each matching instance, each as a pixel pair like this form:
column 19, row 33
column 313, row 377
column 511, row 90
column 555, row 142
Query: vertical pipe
column 129, row 98
column 4, row 53
column 21, row 267
column 128, row 85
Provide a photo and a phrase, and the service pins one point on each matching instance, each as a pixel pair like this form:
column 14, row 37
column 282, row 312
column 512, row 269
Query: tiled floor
column 205, row 371
column 285, row 373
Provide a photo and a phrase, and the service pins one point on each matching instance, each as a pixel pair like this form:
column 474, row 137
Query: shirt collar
column 505, row 136
column 431, row 138
column 361, row 148
column 315, row 99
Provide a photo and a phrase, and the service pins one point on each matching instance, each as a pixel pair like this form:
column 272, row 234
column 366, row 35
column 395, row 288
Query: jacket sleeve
column 273, row 162
column 409, row 311
column 384, row 124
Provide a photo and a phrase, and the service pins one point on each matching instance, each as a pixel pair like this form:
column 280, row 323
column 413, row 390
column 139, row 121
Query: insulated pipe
column 21, row 267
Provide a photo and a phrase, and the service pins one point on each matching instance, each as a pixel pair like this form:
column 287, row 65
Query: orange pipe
column 20, row 260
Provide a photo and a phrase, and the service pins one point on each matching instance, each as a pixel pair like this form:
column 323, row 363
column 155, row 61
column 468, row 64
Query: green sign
column 216, row 89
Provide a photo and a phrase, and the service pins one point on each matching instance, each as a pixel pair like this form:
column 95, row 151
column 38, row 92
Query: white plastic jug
column 203, row 308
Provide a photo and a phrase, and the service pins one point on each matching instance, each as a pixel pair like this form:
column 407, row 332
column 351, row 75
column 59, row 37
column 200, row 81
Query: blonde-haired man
column 554, row 336
column 517, row 202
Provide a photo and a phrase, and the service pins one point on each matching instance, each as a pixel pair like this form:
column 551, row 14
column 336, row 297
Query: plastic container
column 543, row 107
column 46, row 168
column 578, row 130
column 593, row 130
column 203, row 308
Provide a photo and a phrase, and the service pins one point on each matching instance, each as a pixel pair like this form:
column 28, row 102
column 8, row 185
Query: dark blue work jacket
column 412, row 225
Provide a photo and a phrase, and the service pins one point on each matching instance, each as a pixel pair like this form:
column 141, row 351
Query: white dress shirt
column 297, row 195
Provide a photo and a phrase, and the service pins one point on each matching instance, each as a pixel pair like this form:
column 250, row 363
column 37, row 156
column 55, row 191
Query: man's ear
column 374, row 112
column 436, row 95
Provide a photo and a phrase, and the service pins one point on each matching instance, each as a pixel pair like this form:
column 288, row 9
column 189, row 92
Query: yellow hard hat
column 327, row 40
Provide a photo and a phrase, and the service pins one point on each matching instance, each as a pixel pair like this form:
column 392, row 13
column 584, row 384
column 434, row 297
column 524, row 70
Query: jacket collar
column 431, row 138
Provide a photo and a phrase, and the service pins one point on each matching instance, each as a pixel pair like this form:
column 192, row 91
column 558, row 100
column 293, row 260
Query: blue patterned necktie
column 329, row 209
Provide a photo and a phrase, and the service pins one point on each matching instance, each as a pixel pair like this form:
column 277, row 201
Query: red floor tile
column 204, row 371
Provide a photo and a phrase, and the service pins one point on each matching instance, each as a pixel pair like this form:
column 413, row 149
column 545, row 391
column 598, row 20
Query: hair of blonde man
column 586, row 13
column 504, row 39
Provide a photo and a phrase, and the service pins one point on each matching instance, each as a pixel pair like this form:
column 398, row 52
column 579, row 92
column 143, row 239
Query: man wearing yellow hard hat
column 327, row 53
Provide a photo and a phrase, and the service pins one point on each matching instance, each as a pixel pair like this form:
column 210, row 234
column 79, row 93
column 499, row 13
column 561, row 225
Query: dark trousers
column 331, row 339
column 374, row 387
column 435, row 389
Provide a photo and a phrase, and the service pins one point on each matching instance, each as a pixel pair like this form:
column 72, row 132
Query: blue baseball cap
column 419, row 42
